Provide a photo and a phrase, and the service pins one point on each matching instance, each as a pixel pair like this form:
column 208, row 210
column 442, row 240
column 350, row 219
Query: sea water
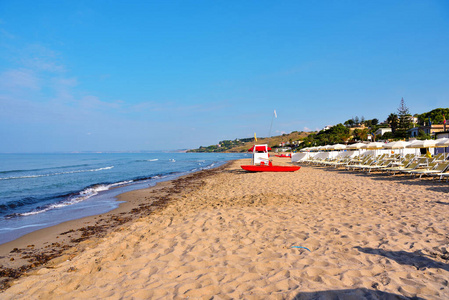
column 42, row 190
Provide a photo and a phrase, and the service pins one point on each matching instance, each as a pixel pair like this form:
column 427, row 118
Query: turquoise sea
column 42, row 190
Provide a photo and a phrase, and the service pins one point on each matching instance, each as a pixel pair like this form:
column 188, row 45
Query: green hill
column 242, row 145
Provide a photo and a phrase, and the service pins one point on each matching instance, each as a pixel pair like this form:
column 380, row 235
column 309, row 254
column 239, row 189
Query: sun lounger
column 405, row 166
column 413, row 165
column 397, row 166
column 440, row 171
column 376, row 162
column 380, row 165
column 341, row 162
column 445, row 174
column 359, row 160
column 363, row 163
column 420, row 171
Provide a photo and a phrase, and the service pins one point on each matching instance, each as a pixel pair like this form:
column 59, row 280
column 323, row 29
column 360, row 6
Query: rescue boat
column 261, row 162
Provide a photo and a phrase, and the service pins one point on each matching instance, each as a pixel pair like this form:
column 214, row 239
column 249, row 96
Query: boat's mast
column 271, row 125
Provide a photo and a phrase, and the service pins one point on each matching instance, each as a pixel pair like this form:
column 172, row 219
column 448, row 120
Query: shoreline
column 46, row 197
column 40, row 247
column 316, row 233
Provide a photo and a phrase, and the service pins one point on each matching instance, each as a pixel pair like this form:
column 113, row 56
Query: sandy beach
column 318, row 233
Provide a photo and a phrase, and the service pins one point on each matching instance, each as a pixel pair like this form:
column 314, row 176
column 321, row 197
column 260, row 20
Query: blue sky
column 155, row 75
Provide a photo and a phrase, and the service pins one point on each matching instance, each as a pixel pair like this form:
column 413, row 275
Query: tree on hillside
column 336, row 134
column 393, row 121
column 387, row 136
column 404, row 122
column 371, row 123
column 360, row 134
column 349, row 123
column 356, row 134
column 422, row 135
column 435, row 115
column 364, row 134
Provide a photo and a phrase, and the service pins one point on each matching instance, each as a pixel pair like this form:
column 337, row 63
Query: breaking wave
column 73, row 199
column 55, row 174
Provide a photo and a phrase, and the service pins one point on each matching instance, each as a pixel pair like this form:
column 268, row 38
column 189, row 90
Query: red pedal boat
column 284, row 155
column 261, row 162
column 267, row 168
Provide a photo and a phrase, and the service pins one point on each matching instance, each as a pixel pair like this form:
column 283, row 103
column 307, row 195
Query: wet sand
column 224, row 233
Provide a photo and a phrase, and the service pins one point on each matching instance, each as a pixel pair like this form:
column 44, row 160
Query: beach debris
column 41, row 256
column 70, row 231
column 301, row 247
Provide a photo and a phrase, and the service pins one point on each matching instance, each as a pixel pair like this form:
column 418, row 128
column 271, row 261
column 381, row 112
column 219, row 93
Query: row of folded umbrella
column 442, row 143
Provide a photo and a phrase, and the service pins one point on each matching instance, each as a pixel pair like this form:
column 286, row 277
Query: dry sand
column 370, row 236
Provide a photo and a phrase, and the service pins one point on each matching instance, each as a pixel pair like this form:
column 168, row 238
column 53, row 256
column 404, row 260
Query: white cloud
column 62, row 88
column 6, row 34
column 151, row 106
column 94, row 103
column 18, row 79
column 40, row 58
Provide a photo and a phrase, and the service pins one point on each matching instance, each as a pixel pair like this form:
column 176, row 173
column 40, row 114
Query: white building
column 382, row 131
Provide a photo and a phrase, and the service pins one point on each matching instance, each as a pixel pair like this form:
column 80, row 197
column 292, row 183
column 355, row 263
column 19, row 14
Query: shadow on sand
column 443, row 203
column 360, row 293
column 415, row 259
column 428, row 182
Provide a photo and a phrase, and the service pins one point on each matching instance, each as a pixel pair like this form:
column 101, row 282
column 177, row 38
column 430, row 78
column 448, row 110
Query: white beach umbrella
column 442, row 143
column 422, row 144
column 356, row 146
column 396, row 145
column 412, row 144
column 374, row 145
column 339, row 147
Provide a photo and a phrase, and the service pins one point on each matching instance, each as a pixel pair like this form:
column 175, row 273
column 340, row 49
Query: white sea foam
column 5, row 229
column 59, row 173
column 154, row 159
column 209, row 166
column 83, row 195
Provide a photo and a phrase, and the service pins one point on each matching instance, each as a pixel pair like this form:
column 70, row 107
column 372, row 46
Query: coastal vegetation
column 350, row 131
column 223, row 146
column 436, row 116
column 242, row 145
